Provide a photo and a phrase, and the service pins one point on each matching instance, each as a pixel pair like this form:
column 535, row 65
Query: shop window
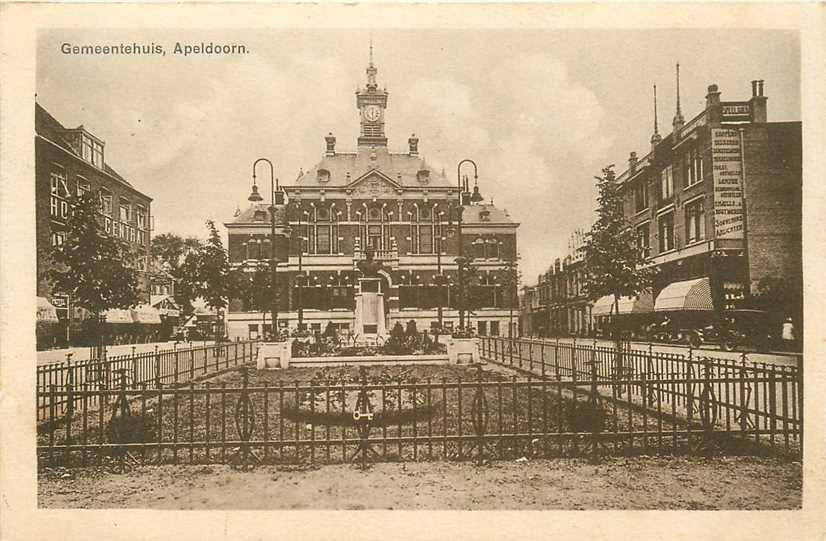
column 695, row 222
column 666, row 232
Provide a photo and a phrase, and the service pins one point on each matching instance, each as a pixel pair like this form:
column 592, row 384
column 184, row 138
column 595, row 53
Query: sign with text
column 736, row 111
column 727, row 171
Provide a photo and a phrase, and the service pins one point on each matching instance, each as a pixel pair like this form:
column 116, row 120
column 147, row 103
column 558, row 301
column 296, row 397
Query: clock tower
column 371, row 103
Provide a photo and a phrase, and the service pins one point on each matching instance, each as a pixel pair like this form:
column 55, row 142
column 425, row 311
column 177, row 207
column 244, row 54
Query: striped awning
column 46, row 310
column 692, row 295
column 641, row 304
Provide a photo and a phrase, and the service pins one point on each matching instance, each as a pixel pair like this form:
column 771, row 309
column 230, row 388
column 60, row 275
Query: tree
column 171, row 249
column 213, row 282
column 179, row 256
column 95, row 269
column 613, row 262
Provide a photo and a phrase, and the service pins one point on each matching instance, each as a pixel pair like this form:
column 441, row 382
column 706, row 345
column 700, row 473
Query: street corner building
column 69, row 162
column 369, row 238
column 716, row 208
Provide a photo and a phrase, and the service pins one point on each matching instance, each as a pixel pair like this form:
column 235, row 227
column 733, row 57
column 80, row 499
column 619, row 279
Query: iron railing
column 744, row 393
column 488, row 415
column 152, row 368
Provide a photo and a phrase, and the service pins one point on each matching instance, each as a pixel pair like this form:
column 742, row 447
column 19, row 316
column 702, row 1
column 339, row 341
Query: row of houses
column 716, row 209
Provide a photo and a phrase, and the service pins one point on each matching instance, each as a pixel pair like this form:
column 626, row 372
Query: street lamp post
column 277, row 197
column 300, row 270
column 464, row 199
column 439, row 271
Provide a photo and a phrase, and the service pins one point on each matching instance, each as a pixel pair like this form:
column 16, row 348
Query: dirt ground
column 618, row 483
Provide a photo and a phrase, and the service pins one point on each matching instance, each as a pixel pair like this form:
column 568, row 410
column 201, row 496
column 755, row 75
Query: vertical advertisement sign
column 727, row 172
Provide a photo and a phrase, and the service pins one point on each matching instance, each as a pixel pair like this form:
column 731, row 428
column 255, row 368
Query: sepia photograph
column 366, row 267
column 322, row 253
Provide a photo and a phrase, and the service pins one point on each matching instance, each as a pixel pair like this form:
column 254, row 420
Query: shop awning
column 640, row 304
column 46, row 310
column 116, row 315
column 146, row 315
column 686, row 295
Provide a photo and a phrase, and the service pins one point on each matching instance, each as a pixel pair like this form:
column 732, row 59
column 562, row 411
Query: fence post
column 556, row 358
column 175, row 349
column 191, row 365
column 157, row 368
column 134, row 366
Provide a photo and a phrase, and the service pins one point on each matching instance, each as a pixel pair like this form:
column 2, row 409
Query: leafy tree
column 171, row 249
column 95, row 269
column 613, row 262
column 179, row 256
column 213, row 283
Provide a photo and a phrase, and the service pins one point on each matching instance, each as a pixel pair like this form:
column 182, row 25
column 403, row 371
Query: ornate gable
column 374, row 184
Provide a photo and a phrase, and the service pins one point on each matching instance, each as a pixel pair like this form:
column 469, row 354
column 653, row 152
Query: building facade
column 716, row 210
column 69, row 162
column 370, row 237
column 718, row 200
column 557, row 305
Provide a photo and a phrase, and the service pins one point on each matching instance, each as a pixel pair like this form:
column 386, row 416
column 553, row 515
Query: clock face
column 372, row 113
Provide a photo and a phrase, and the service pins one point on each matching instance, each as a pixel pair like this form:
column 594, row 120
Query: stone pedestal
column 369, row 315
column 274, row 355
column 463, row 350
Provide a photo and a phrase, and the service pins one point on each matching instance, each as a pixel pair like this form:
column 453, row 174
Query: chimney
column 632, row 162
column 331, row 144
column 414, row 145
column 758, row 102
column 713, row 96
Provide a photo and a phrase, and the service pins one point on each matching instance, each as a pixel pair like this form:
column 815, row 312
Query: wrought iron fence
column 152, row 368
column 485, row 417
column 758, row 396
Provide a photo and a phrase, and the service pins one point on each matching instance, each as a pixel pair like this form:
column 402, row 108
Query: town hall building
column 370, row 237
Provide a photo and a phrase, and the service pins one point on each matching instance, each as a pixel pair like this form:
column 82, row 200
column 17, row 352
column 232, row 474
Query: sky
column 540, row 111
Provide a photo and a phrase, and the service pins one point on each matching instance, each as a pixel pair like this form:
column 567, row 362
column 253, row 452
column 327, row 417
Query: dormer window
column 260, row 216
column 423, row 176
column 484, row 216
column 91, row 150
column 323, row 175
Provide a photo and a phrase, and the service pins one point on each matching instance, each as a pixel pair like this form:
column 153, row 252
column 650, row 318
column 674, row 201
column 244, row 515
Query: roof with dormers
column 348, row 168
column 48, row 127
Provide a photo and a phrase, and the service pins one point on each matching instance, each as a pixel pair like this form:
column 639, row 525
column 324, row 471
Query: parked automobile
column 749, row 328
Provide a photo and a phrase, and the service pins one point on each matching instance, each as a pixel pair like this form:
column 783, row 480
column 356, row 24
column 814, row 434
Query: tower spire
column 678, row 116
column 371, row 70
column 655, row 138
column 371, row 50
